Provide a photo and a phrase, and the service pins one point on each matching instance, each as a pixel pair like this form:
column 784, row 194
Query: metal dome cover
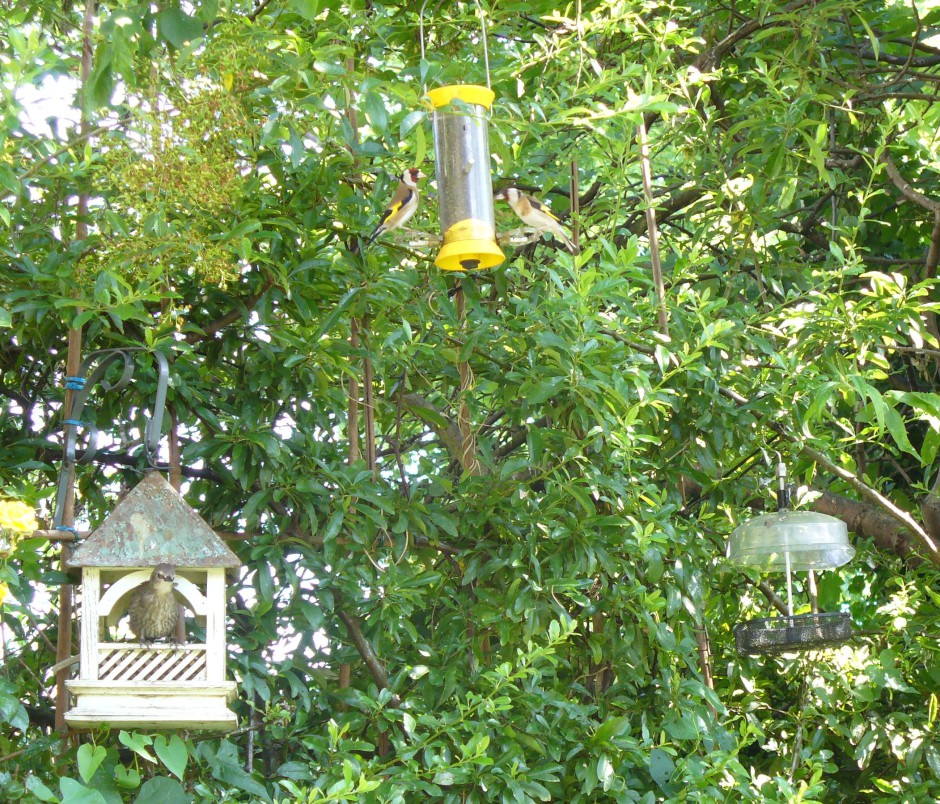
column 812, row 540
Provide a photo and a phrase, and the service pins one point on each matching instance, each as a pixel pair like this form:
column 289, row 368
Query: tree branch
column 711, row 57
column 354, row 629
column 243, row 307
column 772, row 597
column 872, row 495
column 905, row 188
column 867, row 522
column 52, row 454
column 445, row 429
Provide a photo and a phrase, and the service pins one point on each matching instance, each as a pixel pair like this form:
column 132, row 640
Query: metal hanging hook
column 105, row 358
column 486, row 53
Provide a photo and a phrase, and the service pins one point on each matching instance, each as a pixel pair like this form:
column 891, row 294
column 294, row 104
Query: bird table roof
column 151, row 525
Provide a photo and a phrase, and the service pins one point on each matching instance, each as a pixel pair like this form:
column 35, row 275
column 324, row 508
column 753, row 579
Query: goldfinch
column 535, row 215
column 402, row 206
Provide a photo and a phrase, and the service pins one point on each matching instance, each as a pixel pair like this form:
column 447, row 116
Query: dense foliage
column 483, row 516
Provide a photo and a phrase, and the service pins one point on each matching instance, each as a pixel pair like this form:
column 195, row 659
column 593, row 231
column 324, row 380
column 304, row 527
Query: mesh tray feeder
column 787, row 634
column 791, row 541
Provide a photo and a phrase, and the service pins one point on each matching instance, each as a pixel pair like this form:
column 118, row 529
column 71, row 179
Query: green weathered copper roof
column 151, row 525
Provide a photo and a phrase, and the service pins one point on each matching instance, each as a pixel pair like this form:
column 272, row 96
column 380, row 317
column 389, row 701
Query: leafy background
column 489, row 579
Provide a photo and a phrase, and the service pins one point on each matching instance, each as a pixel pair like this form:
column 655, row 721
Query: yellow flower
column 17, row 516
column 3, row 593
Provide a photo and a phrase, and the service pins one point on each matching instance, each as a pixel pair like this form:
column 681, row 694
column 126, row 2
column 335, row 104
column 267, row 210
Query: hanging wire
column 783, row 493
column 783, row 503
column 786, row 554
column 486, row 53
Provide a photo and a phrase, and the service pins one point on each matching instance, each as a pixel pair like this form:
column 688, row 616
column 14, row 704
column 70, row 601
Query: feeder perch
column 791, row 541
column 160, row 685
column 464, row 184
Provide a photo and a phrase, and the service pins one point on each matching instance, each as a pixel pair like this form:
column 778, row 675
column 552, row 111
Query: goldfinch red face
column 411, row 176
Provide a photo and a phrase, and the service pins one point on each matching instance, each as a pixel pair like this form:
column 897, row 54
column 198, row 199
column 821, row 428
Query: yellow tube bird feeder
column 464, row 183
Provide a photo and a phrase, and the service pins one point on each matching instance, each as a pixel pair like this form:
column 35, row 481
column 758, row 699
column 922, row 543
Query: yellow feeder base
column 469, row 255
column 469, row 245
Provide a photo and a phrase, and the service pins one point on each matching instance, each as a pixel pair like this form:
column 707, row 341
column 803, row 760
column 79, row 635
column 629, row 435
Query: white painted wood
column 125, row 661
column 215, row 625
column 114, row 647
column 91, row 625
column 152, row 705
column 162, row 685
column 154, row 690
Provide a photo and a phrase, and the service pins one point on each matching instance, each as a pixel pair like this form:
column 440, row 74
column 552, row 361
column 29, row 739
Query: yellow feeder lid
column 467, row 93
column 469, row 245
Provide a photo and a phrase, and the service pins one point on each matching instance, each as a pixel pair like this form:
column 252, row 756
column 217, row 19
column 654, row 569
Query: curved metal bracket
column 105, row 358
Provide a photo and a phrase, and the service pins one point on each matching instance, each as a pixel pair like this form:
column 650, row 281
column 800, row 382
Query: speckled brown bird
column 153, row 610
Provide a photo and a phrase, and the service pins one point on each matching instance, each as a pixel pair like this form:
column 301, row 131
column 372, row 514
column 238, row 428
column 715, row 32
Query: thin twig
column 652, row 231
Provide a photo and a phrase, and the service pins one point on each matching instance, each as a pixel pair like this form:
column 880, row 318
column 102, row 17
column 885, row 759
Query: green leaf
column 306, row 8
column 9, row 180
column 162, row 790
column 410, row 120
column 333, row 526
column 329, row 68
column 680, row 727
column 236, row 776
column 330, row 321
column 244, row 228
column 128, row 778
column 899, row 431
column 178, row 28
column 89, row 760
column 543, row 390
column 375, row 110
column 13, row 712
column 100, row 84
column 605, row 772
column 662, row 767
column 38, row 789
column 173, row 754
column 875, row 43
column 611, row 728
column 295, row 770
column 76, row 793
column 422, row 146
column 138, row 744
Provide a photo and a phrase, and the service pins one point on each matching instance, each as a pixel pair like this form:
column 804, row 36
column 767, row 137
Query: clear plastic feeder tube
column 464, row 184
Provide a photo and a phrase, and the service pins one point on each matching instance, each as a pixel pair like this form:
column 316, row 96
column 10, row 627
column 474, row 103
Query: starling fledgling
column 153, row 610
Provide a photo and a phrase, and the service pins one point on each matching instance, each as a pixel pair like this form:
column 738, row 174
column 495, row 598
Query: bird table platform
column 135, row 681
